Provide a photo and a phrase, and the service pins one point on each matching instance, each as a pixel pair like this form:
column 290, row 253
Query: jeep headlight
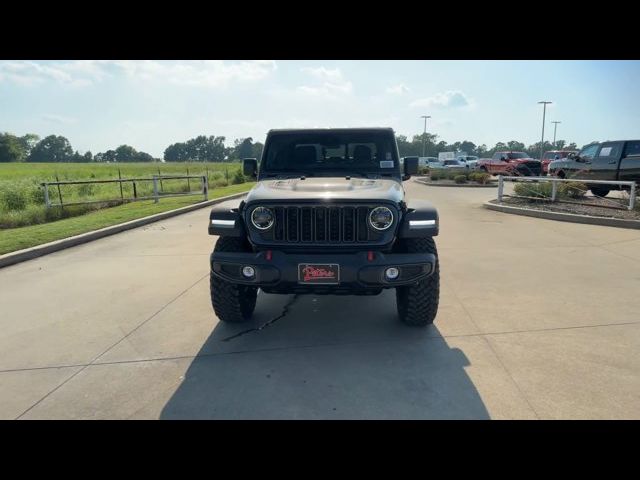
column 262, row 218
column 381, row 218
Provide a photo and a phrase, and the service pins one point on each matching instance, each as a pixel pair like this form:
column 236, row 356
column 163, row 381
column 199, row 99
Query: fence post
column 155, row 189
column 160, row 175
column 135, row 192
column 188, row 182
column 121, row 194
column 554, row 190
column 46, row 195
column 205, row 187
column 500, row 188
column 632, row 196
column 59, row 193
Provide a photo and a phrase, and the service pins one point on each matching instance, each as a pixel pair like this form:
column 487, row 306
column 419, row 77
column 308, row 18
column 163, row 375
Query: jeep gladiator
column 328, row 215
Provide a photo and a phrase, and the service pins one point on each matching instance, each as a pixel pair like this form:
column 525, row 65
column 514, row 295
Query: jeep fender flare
column 420, row 220
column 225, row 219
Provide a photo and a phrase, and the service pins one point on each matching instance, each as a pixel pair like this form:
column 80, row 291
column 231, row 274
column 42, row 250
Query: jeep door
column 580, row 169
column 630, row 163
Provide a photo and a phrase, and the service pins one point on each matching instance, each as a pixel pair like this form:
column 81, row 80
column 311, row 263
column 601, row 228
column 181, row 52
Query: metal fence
column 612, row 203
column 157, row 187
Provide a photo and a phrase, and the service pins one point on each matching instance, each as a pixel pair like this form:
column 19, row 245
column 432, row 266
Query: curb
column 565, row 217
column 458, row 185
column 46, row 248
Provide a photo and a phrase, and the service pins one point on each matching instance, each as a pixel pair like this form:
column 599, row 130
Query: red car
column 510, row 163
column 552, row 155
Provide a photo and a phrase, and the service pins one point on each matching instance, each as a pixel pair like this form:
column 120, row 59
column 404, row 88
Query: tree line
column 55, row 148
column 432, row 147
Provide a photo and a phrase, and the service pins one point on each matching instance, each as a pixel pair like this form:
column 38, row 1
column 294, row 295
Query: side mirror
column 250, row 167
column 411, row 165
column 503, row 159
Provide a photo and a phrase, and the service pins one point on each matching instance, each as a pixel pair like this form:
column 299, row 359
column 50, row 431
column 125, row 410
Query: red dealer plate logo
column 319, row 273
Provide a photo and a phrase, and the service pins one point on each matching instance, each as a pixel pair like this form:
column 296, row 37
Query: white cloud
column 448, row 99
column 215, row 73
column 60, row 119
column 206, row 73
column 78, row 73
column 399, row 89
column 330, row 83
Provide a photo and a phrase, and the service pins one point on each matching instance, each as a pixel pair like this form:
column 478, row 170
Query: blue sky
column 99, row 105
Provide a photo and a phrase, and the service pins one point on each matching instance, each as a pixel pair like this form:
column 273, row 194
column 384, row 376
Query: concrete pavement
column 538, row 319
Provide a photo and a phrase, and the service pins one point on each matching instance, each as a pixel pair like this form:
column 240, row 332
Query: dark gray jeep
column 327, row 216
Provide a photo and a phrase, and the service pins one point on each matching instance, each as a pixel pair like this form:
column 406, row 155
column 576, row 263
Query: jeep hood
column 327, row 189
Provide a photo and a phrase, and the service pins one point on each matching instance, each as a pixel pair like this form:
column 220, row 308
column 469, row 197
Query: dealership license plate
column 319, row 273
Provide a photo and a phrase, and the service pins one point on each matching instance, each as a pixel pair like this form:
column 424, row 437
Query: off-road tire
column 599, row 191
column 418, row 303
column 231, row 302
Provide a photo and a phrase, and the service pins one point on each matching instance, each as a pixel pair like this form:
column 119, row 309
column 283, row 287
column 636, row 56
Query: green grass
column 22, row 199
column 18, row 238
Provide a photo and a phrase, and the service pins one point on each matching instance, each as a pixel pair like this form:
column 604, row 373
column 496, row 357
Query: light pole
column 555, row 126
column 424, row 135
column 544, row 111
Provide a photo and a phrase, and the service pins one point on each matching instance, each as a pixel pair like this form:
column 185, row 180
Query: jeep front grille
column 326, row 225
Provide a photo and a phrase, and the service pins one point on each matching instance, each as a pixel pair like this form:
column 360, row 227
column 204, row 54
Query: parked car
column 470, row 160
column 510, row 163
column 455, row 165
column 328, row 215
column 617, row 160
column 428, row 162
column 552, row 155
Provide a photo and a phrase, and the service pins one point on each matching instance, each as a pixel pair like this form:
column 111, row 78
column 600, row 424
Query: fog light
column 391, row 273
column 248, row 272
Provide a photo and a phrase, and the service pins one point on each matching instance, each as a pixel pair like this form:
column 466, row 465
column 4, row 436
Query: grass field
column 22, row 199
column 18, row 238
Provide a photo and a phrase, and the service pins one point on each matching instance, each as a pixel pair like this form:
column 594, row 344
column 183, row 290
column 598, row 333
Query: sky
column 99, row 105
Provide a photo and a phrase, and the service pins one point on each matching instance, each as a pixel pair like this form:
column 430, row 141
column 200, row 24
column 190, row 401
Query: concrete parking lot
column 538, row 320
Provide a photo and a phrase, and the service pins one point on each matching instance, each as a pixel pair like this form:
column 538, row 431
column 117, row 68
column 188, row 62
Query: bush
column 460, row 179
column 237, row 178
column 13, row 199
column 434, row 176
column 219, row 183
column 572, row 190
column 529, row 189
column 423, row 171
column 480, row 177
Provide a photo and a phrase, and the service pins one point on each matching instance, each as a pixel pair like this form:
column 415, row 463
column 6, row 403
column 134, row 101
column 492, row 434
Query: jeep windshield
column 327, row 153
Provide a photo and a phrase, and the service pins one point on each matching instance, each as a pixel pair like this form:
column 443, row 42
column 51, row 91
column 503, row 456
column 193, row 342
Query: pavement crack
column 285, row 311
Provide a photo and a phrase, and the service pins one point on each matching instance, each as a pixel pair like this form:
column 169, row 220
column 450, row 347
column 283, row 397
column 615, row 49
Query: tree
column 243, row 148
column 198, row 149
column 11, row 148
column 51, row 149
column 88, row 157
column 126, row 153
column 144, row 157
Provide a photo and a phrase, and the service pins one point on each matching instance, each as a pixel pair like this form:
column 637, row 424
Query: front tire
column 231, row 302
column 418, row 304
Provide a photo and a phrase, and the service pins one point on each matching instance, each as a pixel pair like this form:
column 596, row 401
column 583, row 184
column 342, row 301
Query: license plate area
column 319, row 273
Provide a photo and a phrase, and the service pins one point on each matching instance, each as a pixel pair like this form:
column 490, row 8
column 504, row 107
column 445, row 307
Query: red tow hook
column 268, row 255
column 370, row 256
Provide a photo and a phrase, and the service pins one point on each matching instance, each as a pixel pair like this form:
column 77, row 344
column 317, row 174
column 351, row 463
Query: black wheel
column 232, row 303
column 418, row 304
column 600, row 191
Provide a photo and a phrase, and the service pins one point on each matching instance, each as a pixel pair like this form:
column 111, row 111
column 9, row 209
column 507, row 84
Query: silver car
column 456, row 165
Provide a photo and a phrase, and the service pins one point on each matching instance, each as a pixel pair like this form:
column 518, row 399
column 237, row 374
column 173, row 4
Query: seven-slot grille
column 322, row 224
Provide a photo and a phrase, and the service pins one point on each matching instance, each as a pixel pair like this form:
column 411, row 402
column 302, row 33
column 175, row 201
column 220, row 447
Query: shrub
column 13, row 199
column 460, row 179
column 237, row 178
column 423, row 171
column 219, row 183
column 434, row 176
column 480, row 177
column 529, row 189
column 572, row 190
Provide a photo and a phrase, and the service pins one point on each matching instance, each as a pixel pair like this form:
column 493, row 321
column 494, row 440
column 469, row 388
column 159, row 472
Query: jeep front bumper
column 357, row 271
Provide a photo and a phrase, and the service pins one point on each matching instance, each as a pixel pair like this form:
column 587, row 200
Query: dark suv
column 327, row 216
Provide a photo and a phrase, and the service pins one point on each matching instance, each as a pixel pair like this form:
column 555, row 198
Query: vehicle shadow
column 326, row 357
